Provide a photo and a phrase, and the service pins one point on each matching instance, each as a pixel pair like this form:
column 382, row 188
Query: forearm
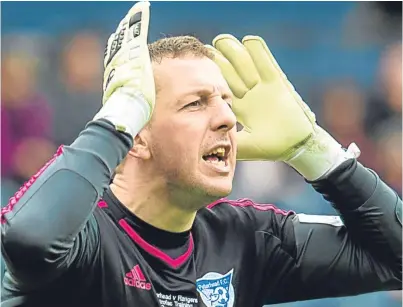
column 369, row 209
column 358, row 254
column 46, row 215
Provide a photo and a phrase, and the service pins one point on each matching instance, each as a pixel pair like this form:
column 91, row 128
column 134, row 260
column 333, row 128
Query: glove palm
column 276, row 121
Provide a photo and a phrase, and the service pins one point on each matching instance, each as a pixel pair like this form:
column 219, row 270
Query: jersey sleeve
column 359, row 251
column 48, row 227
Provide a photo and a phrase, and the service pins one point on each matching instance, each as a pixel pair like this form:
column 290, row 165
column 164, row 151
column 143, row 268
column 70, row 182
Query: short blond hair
column 178, row 46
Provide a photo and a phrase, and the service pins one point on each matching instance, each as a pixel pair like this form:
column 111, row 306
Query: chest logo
column 135, row 278
column 216, row 290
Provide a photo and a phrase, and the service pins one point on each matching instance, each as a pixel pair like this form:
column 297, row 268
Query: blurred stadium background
column 344, row 58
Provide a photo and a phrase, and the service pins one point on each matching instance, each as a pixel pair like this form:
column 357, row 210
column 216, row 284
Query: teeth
column 219, row 152
column 217, row 162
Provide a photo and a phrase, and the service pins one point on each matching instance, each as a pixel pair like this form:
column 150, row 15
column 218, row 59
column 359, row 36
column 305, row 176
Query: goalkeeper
column 161, row 232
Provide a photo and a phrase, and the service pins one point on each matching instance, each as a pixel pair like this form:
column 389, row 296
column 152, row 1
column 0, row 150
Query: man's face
column 192, row 131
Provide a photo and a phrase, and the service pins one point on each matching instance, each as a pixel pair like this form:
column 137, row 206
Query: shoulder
column 245, row 210
column 244, row 206
column 246, row 222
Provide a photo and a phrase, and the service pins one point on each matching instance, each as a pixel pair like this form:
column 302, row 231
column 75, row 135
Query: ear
column 140, row 149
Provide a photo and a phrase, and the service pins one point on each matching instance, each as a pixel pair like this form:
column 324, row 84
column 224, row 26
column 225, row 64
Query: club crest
column 216, row 290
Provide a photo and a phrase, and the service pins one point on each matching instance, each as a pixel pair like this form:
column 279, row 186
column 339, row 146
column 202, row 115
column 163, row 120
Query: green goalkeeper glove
column 278, row 125
column 129, row 90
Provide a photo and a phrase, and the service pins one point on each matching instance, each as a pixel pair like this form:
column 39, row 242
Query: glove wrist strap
column 129, row 113
column 320, row 156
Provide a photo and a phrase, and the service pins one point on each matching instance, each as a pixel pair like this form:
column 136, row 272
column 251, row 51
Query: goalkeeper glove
column 278, row 125
column 129, row 90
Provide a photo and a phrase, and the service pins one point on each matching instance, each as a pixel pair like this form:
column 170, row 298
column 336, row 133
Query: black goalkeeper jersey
column 67, row 241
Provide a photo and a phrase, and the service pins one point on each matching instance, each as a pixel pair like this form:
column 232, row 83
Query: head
column 192, row 120
column 389, row 153
column 82, row 62
column 344, row 108
column 390, row 74
column 18, row 71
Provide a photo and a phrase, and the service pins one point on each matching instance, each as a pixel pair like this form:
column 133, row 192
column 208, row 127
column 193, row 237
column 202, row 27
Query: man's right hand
column 129, row 90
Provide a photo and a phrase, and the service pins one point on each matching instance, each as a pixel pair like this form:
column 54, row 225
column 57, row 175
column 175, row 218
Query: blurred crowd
column 51, row 87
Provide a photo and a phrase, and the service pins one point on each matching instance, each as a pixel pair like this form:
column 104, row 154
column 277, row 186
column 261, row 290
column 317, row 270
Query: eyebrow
column 200, row 91
column 206, row 91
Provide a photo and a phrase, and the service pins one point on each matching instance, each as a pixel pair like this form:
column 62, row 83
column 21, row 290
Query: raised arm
column 358, row 252
column 48, row 226
column 50, row 217
column 318, row 256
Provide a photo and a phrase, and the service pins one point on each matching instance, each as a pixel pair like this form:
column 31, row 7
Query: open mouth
column 218, row 156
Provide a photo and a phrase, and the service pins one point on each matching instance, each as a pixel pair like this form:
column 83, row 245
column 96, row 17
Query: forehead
column 179, row 75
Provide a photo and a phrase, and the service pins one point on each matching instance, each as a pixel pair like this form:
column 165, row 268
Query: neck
column 150, row 202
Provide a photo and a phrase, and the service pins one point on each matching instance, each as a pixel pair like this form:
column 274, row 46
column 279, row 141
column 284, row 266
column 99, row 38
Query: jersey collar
column 146, row 236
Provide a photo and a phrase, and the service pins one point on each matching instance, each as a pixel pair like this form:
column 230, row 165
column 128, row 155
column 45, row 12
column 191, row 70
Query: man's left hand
column 277, row 124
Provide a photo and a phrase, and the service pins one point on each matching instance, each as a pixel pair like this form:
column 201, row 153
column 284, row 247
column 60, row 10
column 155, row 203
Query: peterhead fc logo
column 216, row 290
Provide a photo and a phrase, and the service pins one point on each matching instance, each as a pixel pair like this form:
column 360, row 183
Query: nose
column 223, row 118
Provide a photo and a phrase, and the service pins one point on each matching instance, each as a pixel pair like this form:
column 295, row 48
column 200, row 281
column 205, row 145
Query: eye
column 196, row 103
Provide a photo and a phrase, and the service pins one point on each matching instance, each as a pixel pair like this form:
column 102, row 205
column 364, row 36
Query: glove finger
column 269, row 69
column 138, row 19
column 265, row 62
column 239, row 57
column 235, row 83
column 131, row 33
column 108, row 48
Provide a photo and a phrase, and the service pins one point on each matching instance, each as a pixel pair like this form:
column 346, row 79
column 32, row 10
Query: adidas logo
column 135, row 278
